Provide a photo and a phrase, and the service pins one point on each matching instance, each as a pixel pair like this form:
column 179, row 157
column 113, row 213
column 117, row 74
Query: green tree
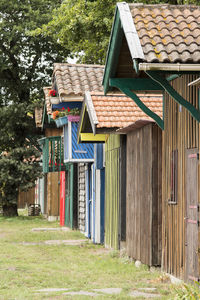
column 26, row 60
column 19, row 159
column 84, row 26
column 25, row 67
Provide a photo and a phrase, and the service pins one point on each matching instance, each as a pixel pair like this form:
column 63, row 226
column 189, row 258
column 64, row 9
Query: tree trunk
column 10, row 210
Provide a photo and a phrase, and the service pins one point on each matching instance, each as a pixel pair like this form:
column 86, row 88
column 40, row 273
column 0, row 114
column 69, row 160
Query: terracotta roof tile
column 118, row 111
column 75, row 79
column 168, row 33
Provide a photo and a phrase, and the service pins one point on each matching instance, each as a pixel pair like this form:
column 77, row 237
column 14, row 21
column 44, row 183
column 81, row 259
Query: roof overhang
column 167, row 67
column 88, row 115
column 138, row 124
column 123, row 25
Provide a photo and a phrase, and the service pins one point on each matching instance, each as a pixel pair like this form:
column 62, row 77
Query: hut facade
column 146, row 56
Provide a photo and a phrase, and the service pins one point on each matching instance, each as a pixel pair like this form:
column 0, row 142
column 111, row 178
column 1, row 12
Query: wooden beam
column 174, row 94
column 113, row 51
column 90, row 137
column 127, row 91
column 136, row 84
column 81, row 121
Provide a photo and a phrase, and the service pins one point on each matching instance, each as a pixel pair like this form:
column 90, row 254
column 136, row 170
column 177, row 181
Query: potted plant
column 61, row 117
column 54, row 99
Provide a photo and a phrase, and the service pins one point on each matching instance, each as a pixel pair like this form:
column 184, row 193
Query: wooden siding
column 144, row 199
column 53, row 132
column 74, row 152
column 192, row 216
column 26, row 198
column 181, row 133
column 81, row 197
column 113, row 192
column 53, row 194
column 125, row 64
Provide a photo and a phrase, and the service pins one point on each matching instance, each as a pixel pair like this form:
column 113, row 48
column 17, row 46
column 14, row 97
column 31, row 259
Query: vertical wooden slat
column 143, row 207
column 112, row 191
column 181, row 132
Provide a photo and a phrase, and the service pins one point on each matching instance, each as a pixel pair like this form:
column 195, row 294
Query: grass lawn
column 26, row 268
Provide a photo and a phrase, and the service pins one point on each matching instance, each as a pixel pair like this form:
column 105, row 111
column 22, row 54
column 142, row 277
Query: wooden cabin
column 47, row 189
column 180, row 188
column 144, row 192
column 143, row 55
column 74, row 153
column 69, row 96
column 129, row 135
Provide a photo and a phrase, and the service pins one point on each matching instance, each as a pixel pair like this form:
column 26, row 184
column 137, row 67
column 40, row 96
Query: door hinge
column 194, row 207
column 193, row 221
column 194, row 155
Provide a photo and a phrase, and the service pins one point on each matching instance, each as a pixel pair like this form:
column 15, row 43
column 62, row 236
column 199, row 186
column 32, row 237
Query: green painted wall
column 112, row 191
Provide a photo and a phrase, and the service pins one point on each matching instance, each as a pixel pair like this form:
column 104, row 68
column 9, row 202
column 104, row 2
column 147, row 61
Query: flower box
column 54, row 100
column 72, row 118
column 61, row 121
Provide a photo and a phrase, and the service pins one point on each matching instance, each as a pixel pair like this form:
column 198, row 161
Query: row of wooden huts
column 125, row 172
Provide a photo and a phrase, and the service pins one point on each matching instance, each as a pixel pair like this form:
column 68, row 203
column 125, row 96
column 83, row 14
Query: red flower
column 52, row 93
column 68, row 109
column 63, row 108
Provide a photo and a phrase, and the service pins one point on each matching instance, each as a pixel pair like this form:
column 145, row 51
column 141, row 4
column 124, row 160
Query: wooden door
column 53, row 194
column 192, row 220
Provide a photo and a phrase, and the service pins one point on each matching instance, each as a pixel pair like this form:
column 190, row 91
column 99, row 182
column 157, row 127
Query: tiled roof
column 75, row 79
column 47, row 99
column 168, row 33
column 118, row 111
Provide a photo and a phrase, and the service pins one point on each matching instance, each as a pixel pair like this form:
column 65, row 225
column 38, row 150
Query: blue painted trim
column 66, row 105
column 94, row 200
column 99, row 156
column 102, row 206
column 90, row 202
column 87, row 223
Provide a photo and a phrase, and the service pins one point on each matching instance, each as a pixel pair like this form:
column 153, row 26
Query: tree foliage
column 84, row 27
column 26, row 63
column 26, row 60
column 19, row 159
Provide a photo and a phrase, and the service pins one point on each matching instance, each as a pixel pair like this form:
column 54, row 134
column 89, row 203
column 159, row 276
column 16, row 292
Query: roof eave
column 123, row 24
column 91, row 111
column 178, row 67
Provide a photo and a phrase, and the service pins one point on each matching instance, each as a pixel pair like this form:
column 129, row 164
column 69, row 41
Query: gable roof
column 145, row 34
column 168, row 33
column 118, row 111
column 75, row 79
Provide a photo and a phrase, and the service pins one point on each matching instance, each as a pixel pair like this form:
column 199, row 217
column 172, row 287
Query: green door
column 69, row 196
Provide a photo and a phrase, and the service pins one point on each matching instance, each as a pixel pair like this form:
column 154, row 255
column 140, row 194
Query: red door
column 62, row 198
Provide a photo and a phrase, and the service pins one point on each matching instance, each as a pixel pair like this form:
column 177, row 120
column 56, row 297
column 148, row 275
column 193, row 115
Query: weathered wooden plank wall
column 26, row 198
column 114, row 192
column 181, row 133
column 143, row 193
column 53, row 194
column 53, row 132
